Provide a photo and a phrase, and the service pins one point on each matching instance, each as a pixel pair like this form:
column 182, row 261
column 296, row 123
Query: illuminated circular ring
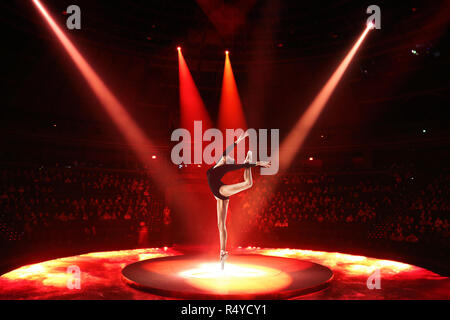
column 249, row 276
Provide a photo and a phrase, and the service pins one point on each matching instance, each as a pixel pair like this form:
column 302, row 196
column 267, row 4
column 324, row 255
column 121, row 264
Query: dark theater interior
column 338, row 187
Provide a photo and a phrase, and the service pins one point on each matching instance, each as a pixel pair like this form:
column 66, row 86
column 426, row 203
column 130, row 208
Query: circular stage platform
column 101, row 275
column 246, row 276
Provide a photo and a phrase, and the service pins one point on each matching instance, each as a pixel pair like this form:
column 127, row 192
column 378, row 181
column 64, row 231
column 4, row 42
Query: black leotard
column 215, row 174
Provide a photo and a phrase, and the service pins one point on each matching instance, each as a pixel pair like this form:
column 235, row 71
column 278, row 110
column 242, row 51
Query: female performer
column 222, row 192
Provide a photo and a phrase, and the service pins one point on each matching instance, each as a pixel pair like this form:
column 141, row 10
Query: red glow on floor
column 350, row 264
column 101, row 276
column 398, row 280
column 236, row 278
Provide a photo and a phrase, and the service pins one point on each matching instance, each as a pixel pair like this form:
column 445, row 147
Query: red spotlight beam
column 296, row 137
column 191, row 103
column 133, row 134
column 114, row 108
column 231, row 115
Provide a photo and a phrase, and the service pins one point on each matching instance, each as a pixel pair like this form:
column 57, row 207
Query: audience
column 402, row 206
column 396, row 205
column 34, row 200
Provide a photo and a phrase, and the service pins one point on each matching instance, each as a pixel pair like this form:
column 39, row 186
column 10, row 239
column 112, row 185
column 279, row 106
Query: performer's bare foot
column 264, row 164
column 223, row 257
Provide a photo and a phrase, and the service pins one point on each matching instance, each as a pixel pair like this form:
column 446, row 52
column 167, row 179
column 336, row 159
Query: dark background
column 391, row 106
column 282, row 53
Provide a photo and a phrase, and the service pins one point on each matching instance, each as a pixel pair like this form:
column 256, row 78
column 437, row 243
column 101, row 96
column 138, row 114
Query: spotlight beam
column 231, row 115
column 296, row 137
column 138, row 141
column 114, row 108
column 191, row 104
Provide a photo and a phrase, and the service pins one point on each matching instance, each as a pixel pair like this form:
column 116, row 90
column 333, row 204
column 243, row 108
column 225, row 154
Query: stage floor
column 101, row 276
column 245, row 276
